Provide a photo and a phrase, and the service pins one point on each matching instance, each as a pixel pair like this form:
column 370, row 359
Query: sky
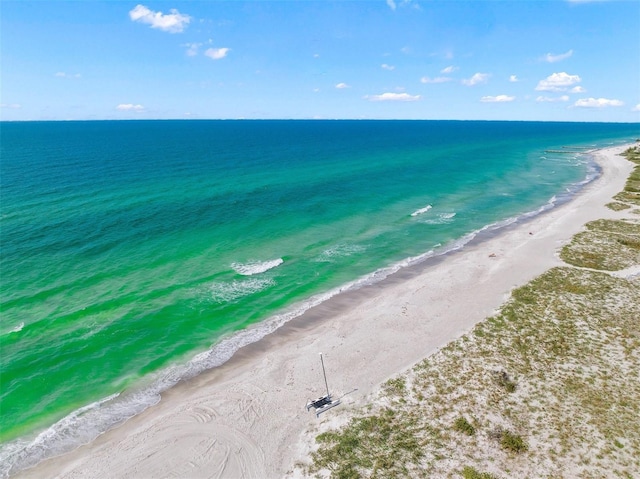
column 538, row 60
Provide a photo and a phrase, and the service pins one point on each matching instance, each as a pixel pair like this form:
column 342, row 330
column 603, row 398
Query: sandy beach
column 247, row 418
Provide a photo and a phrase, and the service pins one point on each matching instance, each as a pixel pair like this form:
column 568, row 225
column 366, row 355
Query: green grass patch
column 617, row 206
column 383, row 444
column 608, row 245
column 462, row 425
column 472, row 473
column 631, row 192
column 513, row 442
column 395, row 386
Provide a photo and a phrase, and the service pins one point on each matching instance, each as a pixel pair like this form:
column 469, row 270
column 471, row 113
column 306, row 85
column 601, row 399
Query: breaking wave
column 421, row 210
column 256, row 267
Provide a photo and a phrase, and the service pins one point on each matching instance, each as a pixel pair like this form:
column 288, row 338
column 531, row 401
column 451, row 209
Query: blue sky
column 552, row 60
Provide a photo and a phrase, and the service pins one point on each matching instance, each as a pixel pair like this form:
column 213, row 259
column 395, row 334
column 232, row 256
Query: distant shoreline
column 132, row 120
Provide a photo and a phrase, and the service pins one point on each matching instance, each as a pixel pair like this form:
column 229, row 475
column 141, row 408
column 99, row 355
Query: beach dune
column 247, row 418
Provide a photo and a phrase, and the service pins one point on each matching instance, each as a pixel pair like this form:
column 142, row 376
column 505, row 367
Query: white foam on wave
column 443, row 218
column 17, row 329
column 421, row 210
column 593, row 172
column 13, row 330
column 256, row 267
column 222, row 292
column 339, row 251
column 80, row 427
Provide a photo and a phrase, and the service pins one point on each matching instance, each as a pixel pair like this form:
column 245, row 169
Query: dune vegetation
column 547, row 387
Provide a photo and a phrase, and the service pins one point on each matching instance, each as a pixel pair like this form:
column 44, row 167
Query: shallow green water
column 130, row 250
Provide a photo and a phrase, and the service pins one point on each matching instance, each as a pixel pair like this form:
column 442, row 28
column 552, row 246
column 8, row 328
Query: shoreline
column 221, row 419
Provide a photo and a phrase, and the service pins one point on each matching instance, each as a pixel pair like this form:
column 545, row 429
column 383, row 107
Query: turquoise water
column 134, row 254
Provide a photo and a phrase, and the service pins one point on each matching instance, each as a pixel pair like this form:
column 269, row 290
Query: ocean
column 134, row 254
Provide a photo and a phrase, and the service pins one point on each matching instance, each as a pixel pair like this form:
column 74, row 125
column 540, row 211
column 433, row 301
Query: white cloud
column 635, row 108
column 476, row 79
column 578, row 89
column 553, row 58
column 174, row 22
column 403, row 3
column 513, row 79
column 393, row 97
column 597, row 103
column 129, row 107
column 497, row 99
column 192, row 48
column 547, row 99
column 342, row 86
column 67, row 75
column 216, row 53
column 384, row 66
column 558, row 82
column 435, row 80
column 448, row 70
column 11, row 106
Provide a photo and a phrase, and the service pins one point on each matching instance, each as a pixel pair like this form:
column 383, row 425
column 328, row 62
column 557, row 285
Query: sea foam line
column 75, row 429
column 85, row 424
column 443, row 218
column 229, row 292
column 339, row 251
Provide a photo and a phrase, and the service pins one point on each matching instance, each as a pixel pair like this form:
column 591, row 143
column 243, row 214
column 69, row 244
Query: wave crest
column 421, row 210
column 256, row 267
column 16, row 329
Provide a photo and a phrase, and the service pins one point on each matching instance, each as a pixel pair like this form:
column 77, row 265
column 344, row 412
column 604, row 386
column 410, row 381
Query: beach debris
column 492, row 255
column 323, row 403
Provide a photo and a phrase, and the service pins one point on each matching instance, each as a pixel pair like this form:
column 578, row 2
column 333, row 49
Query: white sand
column 246, row 418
